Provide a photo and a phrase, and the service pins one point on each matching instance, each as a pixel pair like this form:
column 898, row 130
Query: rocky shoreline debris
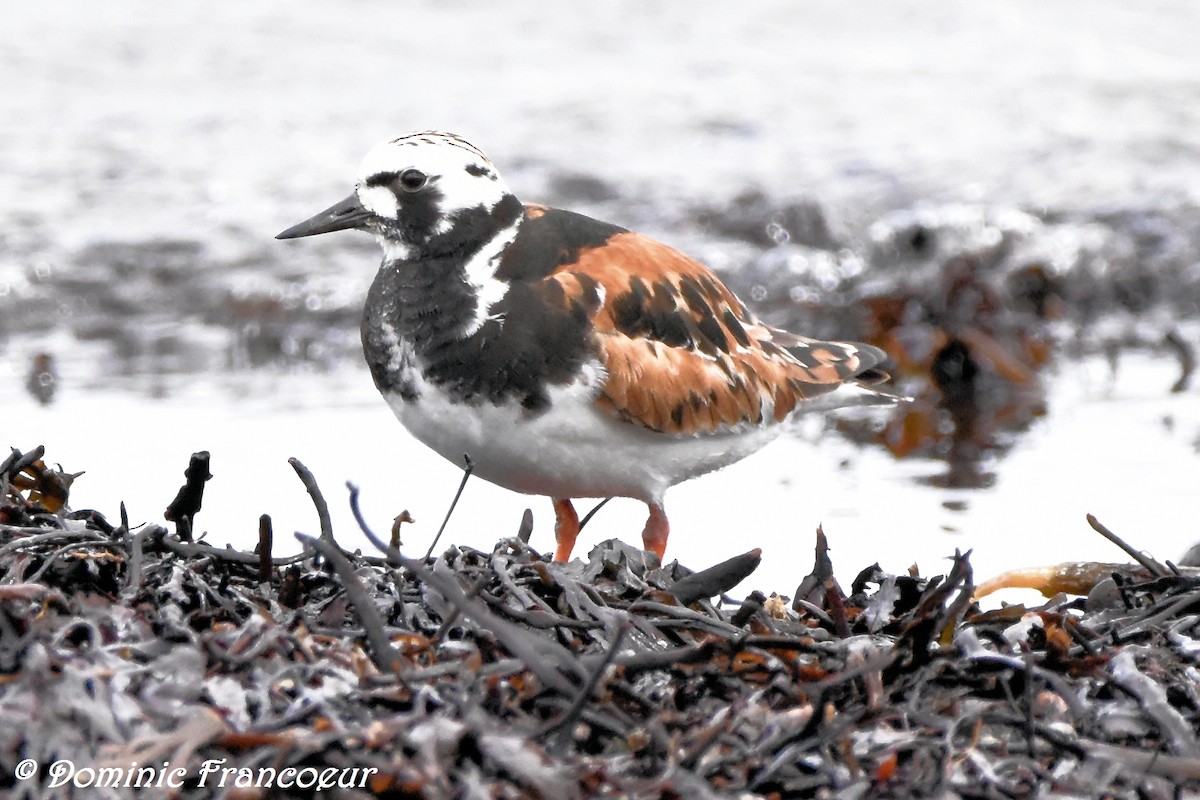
column 500, row 674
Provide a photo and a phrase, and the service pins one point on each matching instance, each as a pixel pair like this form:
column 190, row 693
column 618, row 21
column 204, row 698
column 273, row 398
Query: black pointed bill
column 346, row 214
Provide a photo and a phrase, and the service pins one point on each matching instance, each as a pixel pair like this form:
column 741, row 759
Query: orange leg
column 654, row 536
column 566, row 528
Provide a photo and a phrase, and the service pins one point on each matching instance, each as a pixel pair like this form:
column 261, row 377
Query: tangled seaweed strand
column 500, row 674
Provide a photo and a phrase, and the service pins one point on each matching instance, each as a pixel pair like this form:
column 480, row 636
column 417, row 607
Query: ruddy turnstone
column 566, row 356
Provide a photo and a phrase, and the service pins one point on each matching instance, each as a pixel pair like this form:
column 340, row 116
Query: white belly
column 570, row 450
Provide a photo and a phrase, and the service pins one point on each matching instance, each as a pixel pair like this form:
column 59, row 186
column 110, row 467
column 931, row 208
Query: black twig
column 385, row 656
column 201, row 550
column 478, row 586
column 1187, row 359
column 544, row 658
column 1156, row 569
column 183, row 509
column 265, row 536
column 525, row 529
column 9, row 461
column 588, row 516
column 133, row 580
column 25, row 460
column 1152, row 696
column 750, row 606
column 394, row 543
column 375, row 541
column 566, row 723
column 467, row 470
column 314, row 491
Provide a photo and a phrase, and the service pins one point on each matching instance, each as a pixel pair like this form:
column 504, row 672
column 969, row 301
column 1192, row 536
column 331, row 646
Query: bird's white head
column 427, row 175
column 412, row 190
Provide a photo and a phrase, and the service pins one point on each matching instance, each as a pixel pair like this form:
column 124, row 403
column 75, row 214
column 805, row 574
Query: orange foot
column 566, row 528
column 654, row 536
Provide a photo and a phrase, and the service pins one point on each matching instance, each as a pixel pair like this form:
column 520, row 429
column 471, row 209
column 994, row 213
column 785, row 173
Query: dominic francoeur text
column 212, row 774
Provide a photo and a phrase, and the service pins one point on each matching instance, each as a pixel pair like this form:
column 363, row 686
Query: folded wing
column 683, row 355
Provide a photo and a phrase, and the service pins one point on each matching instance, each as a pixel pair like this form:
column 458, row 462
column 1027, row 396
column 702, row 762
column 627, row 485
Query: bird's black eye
column 412, row 179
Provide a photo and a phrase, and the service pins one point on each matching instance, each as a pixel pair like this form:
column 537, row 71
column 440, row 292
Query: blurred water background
column 1006, row 195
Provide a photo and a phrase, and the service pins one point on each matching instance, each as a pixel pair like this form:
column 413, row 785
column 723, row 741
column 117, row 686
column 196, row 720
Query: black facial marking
column 409, row 180
column 473, row 227
column 479, row 170
column 418, row 213
column 418, row 203
column 382, row 179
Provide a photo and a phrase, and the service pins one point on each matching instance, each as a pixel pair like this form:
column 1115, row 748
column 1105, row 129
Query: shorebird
column 566, row 356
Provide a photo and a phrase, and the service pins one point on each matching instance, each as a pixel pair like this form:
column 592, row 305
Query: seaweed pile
column 139, row 658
